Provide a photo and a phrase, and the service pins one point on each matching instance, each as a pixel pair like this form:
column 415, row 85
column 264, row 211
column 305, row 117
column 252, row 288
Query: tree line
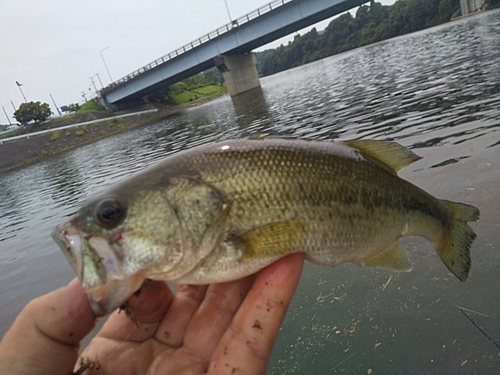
column 372, row 23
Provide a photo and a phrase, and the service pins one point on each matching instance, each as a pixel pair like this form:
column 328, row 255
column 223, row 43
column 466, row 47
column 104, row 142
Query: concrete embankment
column 32, row 147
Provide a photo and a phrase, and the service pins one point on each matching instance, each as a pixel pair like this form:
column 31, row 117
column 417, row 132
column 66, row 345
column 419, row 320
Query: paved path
column 2, row 140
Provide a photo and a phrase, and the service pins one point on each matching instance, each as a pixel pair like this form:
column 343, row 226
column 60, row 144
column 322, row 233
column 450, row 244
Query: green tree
column 196, row 81
column 373, row 23
column 178, row 87
column 162, row 96
column 213, row 76
column 32, row 111
column 73, row 107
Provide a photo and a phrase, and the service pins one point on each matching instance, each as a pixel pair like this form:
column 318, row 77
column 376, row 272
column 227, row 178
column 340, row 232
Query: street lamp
column 22, row 93
column 229, row 14
column 106, row 66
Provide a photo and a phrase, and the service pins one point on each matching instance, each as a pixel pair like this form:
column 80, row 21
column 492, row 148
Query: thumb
column 46, row 335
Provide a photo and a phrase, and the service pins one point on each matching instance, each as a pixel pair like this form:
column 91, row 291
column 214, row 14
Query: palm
column 223, row 328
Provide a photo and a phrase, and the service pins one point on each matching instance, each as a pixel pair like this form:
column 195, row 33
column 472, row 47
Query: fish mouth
column 112, row 286
column 70, row 241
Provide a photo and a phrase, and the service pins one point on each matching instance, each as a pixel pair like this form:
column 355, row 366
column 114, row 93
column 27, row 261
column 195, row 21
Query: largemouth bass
column 223, row 211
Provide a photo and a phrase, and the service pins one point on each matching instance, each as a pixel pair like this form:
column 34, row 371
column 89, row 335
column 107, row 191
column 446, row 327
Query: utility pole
column 105, row 65
column 8, row 119
column 99, row 78
column 55, row 105
column 13, row 106
column 22, row 93
column 84, row 97
column 93, row 84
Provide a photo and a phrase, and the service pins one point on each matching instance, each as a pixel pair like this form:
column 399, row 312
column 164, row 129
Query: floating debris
column 495, row 341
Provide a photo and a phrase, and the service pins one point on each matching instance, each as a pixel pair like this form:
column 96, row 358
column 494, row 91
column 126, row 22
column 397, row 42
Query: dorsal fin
column 391, row 154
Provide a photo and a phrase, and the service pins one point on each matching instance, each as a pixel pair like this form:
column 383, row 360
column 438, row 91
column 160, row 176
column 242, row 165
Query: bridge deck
column 270, row 22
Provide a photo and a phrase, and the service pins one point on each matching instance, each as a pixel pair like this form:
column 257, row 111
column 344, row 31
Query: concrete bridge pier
column 239, row 71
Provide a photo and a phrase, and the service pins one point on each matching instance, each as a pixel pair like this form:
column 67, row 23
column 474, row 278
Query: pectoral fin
column 394, row 258
column 272, row 240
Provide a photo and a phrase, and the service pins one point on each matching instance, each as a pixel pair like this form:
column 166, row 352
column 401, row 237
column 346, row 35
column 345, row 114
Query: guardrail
column 203, row 39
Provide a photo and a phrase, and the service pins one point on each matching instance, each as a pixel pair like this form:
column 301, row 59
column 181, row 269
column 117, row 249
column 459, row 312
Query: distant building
column 471, row 6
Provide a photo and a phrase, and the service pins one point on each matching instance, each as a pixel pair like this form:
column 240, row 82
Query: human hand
column 226, row 328
column 45, row 337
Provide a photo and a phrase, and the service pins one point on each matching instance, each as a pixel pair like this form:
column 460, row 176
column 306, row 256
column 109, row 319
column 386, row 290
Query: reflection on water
column 252, row 112
column 436, row 91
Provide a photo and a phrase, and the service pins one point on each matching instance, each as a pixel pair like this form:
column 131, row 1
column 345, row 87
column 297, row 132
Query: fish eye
column 109, row 213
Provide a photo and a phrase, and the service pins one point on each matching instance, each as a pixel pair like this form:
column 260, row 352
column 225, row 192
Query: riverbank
column 22, row 152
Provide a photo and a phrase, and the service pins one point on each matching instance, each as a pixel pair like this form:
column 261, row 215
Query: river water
column 436, row 91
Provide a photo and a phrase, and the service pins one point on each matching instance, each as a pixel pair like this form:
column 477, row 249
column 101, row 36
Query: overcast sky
column 54, row 46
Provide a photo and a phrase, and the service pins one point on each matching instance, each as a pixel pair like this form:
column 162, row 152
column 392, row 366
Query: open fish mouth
column 97, row 268
column 70, row 241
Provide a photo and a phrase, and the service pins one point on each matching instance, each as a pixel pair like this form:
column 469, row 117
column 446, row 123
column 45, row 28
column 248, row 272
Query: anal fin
column 394, row 258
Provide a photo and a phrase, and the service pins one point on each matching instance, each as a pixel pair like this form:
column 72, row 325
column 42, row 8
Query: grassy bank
column 87, row 107
column 194, row 94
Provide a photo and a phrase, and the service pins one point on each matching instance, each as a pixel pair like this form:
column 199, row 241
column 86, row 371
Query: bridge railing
column 203, row 39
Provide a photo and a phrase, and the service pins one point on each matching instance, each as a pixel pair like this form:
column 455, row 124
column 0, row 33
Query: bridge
column 228, row 48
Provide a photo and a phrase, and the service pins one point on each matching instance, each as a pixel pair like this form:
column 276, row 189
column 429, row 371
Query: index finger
column 246, row 346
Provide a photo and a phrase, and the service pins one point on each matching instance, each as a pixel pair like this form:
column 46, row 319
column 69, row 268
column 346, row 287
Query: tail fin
column 454, row 250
